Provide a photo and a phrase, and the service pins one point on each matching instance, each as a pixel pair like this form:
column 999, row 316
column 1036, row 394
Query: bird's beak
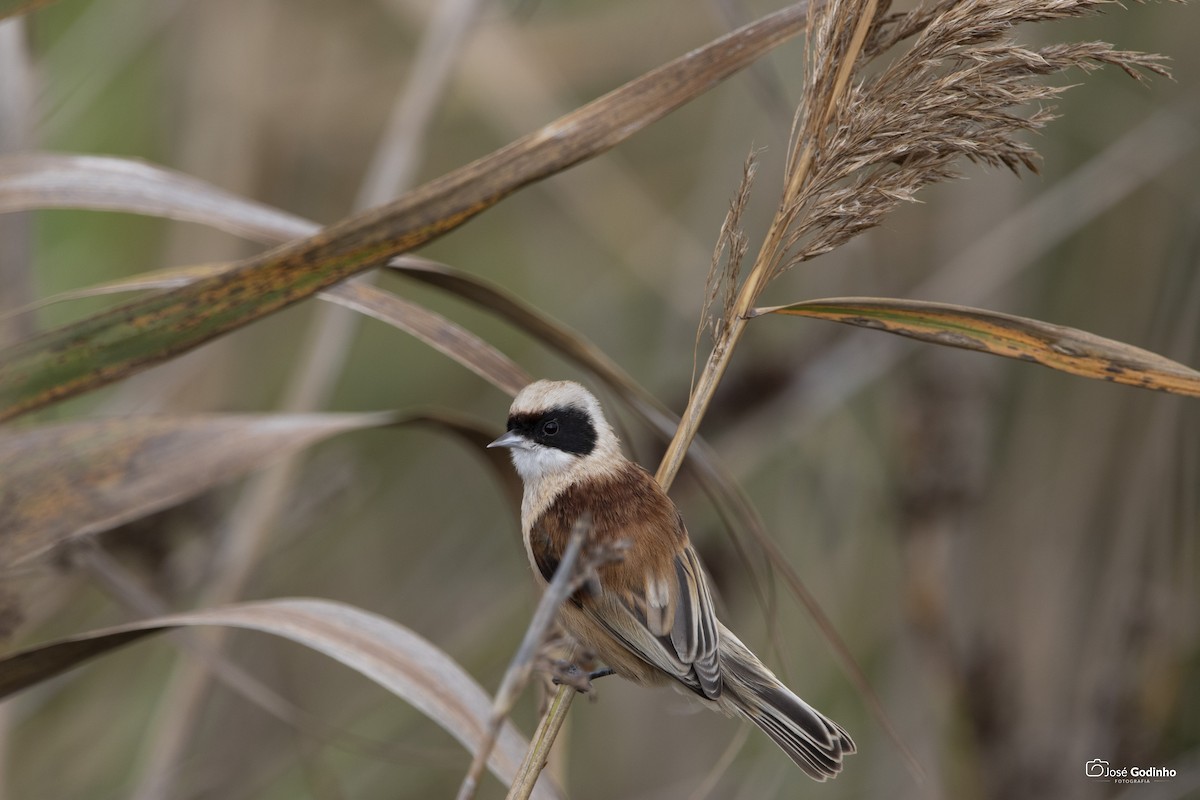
column 509, row 439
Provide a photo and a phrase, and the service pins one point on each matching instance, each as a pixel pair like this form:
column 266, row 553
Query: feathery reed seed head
column 963, row 88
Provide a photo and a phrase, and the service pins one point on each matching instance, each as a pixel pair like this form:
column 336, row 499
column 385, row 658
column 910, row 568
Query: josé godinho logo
column 1100, row 769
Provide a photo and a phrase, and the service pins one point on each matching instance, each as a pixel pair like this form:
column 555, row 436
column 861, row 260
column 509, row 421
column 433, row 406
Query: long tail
column 815, row 742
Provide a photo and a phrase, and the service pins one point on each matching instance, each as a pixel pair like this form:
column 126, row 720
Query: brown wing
column 655, row 601
column 688, row 651
column 694, row 629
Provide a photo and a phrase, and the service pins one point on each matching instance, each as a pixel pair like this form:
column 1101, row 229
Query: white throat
column 547, row 472
column 534, row 463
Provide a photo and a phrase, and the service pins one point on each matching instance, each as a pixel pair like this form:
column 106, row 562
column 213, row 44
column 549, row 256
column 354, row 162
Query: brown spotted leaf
column 386, row 652
column 113, row 344
column 445, row 336
column 1055, row 346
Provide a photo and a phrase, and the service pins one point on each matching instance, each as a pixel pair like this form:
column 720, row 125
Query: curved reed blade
column 113, row 344
column 77, row 478
column 544, row 328
column 68, row 480
column 433, row 329
column 31, row 181
column 1058, row 347
column 384, row 651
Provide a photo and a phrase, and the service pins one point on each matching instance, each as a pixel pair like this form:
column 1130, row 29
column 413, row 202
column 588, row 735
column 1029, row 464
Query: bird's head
column 555, row 428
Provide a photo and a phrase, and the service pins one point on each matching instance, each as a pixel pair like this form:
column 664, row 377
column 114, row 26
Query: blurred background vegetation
column 1010, row 553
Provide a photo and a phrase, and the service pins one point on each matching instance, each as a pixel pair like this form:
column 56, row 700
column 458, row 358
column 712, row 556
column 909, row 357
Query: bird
column 647, row 615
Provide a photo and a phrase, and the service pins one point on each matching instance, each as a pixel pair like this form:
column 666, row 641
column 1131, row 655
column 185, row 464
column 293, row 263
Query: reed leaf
column 384, row 651
column 31, row 181
column 74, row 478
column 1056, row 346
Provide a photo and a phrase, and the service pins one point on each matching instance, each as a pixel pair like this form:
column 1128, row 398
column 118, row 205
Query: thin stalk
column 543, row 740
column 521, row 668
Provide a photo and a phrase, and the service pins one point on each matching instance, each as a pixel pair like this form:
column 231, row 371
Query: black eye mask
column 565, row 428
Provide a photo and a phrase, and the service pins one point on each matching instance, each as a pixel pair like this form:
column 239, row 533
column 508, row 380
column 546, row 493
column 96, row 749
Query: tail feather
column 816, row 743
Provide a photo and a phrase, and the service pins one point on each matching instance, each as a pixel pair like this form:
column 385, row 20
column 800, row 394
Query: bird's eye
column 550, row 427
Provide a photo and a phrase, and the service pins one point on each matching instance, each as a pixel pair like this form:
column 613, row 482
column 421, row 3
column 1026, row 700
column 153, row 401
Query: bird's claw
column 564, row 673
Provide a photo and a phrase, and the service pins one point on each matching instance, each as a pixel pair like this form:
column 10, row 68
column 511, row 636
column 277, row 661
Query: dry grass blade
column 389, row 654
column 104, row 183
column 78, row 478
column 992, row 261
column 68, row 480
column 63, row 181
column 116, row 343
column 130, row 591
column 517, row 312
column 124, row 586
column 1058, row 347
column 435, row 330
column 547, row 330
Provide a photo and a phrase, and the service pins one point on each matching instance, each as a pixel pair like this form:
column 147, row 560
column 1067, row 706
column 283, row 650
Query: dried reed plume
column 726, row 267
column 862, row 142
column 964, row 89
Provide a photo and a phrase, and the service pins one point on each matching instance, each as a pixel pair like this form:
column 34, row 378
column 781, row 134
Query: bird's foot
column 565, row 673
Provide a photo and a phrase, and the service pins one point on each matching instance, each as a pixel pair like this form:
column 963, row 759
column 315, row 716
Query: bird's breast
column 624, row 509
